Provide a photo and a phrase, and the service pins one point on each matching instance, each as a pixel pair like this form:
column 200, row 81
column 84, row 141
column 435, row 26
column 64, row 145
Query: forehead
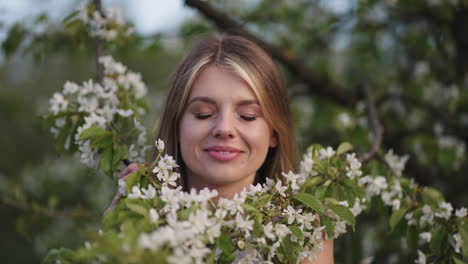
column 219, row 83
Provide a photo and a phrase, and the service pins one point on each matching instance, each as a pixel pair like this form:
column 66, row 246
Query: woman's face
column 224, row 138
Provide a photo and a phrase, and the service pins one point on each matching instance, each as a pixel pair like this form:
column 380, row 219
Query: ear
column 273, row 139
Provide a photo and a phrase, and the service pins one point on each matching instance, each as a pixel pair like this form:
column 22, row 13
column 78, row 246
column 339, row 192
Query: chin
column 224, row 178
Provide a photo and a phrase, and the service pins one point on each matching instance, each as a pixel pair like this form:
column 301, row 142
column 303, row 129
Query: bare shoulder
column 324, row 257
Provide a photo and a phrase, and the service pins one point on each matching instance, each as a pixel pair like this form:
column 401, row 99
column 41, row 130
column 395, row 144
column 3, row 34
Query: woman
column 227, row 120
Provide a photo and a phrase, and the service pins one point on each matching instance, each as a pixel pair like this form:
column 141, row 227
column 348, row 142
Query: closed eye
column 201, row 116
column 248, row 118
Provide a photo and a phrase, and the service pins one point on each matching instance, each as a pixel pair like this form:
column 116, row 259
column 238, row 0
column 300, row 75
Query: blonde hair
column 257, row 69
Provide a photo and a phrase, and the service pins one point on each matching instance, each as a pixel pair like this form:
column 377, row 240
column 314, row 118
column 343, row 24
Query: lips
column 223, row 153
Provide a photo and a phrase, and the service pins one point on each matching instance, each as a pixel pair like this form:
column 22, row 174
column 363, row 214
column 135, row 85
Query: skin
column 222, row 110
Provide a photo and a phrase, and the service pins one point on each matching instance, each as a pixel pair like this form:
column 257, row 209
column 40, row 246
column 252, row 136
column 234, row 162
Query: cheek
column 259, row 138
column 191, row 133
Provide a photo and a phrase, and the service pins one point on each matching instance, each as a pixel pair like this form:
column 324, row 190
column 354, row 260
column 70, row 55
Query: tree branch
column 317, row 85
column 377, row 128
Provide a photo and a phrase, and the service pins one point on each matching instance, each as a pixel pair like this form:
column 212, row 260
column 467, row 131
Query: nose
column 224, row 126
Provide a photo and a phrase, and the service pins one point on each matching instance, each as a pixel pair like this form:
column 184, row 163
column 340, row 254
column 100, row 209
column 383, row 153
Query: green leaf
column 457, row 261
column 226, row 258
column 185, row 213
column 297, row 232
column 106, row 160
column 70, row 16
column 262, row 200
column 439, row 240
column 93, row 132
column 322, row 191
column 463, row 230
column 15, row 37
column 344, row 147
column 397, row 216
column 431, row 197
column 288, row 249
column 105, row 141
column 355, row 188
column 310, row 201
column 132, row 180
column 329, row 225
column 224, row 243
column 344, row 213
column 310, row 183
column 120, row 153
column 258, row 227
column 62, row 255
column 412, row 237
column 139, row 209
column 249, row 208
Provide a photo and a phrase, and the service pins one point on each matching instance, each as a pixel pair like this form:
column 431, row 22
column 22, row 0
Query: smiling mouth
column 223, row 153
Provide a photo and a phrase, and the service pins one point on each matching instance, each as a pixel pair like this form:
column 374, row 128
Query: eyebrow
column 211, row 101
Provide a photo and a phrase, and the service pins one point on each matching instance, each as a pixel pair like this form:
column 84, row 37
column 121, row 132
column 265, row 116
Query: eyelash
column 244, row 117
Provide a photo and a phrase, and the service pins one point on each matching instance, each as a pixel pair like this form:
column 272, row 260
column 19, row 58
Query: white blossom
column 421, row 258
column 213, row 232
column 281, row 231
column 292, row 214
column 461, row 212
column 353, row 168
column 122, row 186
column 244, row 224
column 317, row 235
column 411, row 220
column 240, row 244
column 135, row 194
column 58, row 104
column 159, row 145
column 457, row 242
column 340, row 228
column 280, row 188
column 296, row 180
column 357, row 207
column 427, row 217
column 375, row 185
column 272, row 252
column 344, row 203
column 396, row 163
column 305, row 220
column 268, row 231
column 154, row 216
column 446, row 210
column 125, row 113
column 426, row 236
column 326, row 153
column 307, row 164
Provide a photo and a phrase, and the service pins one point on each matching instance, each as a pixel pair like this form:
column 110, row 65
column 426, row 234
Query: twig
column 98, row 47
column 318, row 85
column 377, row 128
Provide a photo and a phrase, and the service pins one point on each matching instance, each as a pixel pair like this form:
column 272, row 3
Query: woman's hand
column 123, row 175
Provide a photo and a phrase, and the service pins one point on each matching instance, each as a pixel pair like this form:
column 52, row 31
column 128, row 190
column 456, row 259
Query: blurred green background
column 412, row 56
